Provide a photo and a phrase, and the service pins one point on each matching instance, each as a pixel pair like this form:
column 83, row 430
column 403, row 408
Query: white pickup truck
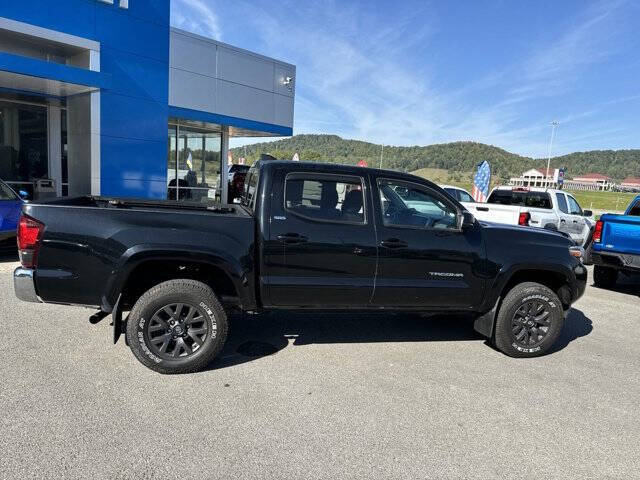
column 536, row 207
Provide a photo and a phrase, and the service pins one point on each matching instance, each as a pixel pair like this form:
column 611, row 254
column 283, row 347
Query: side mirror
column 466, row 220
column 23, row 195
column 587, row 213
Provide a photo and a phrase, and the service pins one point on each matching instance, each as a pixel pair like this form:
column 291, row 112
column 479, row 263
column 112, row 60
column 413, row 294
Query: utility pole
column 553, row 124
column 381, row 152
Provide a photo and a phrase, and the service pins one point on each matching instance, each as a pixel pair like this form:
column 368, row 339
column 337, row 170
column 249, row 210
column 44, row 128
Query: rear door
column 327, row 241
column 425, row 261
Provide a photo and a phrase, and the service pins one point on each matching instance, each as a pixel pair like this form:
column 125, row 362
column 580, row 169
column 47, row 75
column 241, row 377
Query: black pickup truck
column 305, row 236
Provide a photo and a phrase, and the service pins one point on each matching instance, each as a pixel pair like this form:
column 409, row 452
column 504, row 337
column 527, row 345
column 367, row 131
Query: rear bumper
column 24, row 285
column 620, row 261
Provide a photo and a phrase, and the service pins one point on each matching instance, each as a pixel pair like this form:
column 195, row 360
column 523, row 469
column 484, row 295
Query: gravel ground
column 339, row 396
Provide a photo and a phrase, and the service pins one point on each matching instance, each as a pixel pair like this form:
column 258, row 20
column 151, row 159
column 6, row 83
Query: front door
column 324, row 228
column 576, row 218
column 425, row 260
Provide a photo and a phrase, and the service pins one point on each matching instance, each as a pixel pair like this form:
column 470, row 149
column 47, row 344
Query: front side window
column 325, row 197
column 405, row 204
column 562, row 203
column 634, row 211
column 574, row 208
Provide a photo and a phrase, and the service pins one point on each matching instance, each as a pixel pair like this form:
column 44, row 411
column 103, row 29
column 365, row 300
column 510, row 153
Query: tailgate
column 504, row 214
column 621, row 234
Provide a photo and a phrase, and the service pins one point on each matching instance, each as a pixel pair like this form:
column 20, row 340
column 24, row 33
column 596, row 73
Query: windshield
column 521, row 198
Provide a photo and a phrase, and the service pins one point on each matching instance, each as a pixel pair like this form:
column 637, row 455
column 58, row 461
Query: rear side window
column 521, row 198
column 465, row 197
column 6, row 193
column 327, row 198
column 250, row 187
column 635, row 210
column 562, row 202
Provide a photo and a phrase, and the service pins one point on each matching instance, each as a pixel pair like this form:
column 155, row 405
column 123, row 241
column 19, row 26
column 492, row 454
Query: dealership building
column 105, row 98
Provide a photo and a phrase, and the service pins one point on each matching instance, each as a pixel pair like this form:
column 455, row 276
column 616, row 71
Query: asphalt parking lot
column 323, row 396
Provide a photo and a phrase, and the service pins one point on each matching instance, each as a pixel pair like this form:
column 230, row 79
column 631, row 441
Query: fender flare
column 140, row 254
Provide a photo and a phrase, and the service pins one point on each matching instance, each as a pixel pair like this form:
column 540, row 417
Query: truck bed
column 87, row 239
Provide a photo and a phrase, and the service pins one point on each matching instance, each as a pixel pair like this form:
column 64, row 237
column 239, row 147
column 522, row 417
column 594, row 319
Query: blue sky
column 418, row 72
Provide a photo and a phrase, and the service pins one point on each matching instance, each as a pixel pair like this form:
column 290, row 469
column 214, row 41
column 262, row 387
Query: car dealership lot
column 340, row 396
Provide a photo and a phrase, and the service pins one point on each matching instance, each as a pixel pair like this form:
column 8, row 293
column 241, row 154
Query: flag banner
column 481, row 182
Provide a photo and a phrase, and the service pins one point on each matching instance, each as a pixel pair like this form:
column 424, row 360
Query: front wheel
column 177, row 326
column 604, row 277
column 529, row 321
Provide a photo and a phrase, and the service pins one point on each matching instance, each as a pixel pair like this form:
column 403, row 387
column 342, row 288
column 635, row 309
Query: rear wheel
column 604, row 277
column 529, row 321
column 177, row 326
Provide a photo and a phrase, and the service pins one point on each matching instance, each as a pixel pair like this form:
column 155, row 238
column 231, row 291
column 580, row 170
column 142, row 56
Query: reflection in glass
column 193, row 164
column 23, row 143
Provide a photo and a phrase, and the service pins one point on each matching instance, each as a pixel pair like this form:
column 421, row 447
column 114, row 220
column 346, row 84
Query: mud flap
column 116, row 320
column 484, row 324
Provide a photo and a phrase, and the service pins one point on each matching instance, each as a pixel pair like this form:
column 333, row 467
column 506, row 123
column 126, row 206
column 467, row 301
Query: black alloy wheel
column 177, row 330
column 530, row 324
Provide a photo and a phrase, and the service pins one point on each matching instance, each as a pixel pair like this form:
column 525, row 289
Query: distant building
column 537, row 178
column 631, row 183
column 590, row 181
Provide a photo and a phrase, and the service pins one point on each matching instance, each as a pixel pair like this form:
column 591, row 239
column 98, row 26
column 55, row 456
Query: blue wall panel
column 130, row 117
column 136, row 76
column 134, row 111
column 75, row 17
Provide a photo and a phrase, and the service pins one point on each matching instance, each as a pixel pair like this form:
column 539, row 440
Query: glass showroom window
column 23, row 144
column 193, row 164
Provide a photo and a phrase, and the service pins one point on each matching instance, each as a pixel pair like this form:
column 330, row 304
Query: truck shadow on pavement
column 8, row 257
column 255, row 336
column 625, row 285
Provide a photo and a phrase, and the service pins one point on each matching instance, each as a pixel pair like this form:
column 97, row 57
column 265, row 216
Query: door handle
column 394, row 243
column 482, row 209
column 292, row 238
column 575, row 221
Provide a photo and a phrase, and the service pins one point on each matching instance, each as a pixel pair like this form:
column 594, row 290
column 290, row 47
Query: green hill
column 458, row 158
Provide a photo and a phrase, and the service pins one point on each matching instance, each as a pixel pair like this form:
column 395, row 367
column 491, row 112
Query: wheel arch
column 555, row 279
column 144, row 267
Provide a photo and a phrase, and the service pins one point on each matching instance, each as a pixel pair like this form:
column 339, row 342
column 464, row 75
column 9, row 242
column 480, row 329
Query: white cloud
column 196, row 16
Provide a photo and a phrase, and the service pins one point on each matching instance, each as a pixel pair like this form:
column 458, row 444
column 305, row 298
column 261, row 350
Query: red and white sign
column 363, row 163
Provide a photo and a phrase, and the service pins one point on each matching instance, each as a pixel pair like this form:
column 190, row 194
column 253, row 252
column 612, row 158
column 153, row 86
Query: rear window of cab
column 521, row 198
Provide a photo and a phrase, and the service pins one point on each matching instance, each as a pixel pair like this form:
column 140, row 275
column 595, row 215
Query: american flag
column 481, row 182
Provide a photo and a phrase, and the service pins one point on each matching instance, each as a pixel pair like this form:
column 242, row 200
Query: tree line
column 457, row 157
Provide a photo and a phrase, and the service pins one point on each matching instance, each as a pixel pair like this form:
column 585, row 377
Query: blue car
column 10, row 206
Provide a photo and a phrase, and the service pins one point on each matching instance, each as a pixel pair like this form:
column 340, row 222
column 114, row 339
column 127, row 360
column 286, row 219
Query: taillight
column 597, row 232
column 524, row 219
column 30, row 233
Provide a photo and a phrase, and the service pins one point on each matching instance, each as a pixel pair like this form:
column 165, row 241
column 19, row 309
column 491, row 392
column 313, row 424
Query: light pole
column 381, row 152
column 553, row 124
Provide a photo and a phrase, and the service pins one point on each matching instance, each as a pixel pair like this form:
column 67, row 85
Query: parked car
column 10, row 205
column 460, row 194
column 306, row 237
column 237, row 175
column 616, row 246
column 536, row 207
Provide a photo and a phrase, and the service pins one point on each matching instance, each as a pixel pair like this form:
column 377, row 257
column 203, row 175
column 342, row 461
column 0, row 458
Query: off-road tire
column 184, row 291
column 604, row 277
column 504, row 337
